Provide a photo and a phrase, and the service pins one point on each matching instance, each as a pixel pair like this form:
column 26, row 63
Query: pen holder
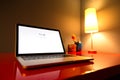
column 78, row 47
column 72, row 49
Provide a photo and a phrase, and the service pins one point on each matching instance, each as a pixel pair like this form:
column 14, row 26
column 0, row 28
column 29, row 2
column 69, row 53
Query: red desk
column 103, row 66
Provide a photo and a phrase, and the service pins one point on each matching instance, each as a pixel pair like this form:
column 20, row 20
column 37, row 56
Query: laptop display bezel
column 17, row 36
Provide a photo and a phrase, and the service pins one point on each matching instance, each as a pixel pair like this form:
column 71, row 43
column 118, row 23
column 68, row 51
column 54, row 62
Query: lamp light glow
column 91, row 24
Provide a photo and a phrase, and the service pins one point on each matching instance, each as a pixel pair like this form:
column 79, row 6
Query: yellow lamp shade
column 91, row 24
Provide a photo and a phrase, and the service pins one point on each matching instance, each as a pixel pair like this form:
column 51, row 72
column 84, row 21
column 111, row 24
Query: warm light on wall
column 91, row 24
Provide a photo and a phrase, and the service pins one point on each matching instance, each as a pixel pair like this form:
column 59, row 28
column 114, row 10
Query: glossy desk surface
column 10, row 69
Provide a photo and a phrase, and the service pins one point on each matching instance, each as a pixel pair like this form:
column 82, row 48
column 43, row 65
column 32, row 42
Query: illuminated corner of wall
column 107, row 39
column 104, row 42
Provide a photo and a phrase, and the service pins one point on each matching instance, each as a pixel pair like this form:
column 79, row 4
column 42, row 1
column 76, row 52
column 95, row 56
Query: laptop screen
column 34, row 40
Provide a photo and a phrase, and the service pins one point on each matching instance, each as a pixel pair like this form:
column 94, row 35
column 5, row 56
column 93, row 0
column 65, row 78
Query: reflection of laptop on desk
column 53, row 73
column 36, row 47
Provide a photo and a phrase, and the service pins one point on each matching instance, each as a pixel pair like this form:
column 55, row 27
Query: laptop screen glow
column 38, row 40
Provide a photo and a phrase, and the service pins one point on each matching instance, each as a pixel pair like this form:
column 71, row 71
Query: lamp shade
column 91, row 23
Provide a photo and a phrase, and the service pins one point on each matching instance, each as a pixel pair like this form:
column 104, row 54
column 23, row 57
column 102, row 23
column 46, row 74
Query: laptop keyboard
column 33, row 57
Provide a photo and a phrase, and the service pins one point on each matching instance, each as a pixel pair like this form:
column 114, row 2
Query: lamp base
column 92, row 52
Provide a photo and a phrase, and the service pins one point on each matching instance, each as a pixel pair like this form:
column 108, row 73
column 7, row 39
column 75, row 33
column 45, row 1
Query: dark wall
column 59, row 14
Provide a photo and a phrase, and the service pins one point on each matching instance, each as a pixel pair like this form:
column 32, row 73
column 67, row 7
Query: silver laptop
column 40, row 47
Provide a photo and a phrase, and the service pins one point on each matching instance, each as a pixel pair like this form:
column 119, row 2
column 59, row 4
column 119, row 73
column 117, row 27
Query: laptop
column 41, row 47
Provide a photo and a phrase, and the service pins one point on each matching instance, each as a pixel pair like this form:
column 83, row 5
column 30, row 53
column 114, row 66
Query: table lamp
column 91, row 25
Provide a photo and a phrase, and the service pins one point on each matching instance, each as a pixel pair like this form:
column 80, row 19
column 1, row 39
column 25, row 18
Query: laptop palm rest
column 51, row 62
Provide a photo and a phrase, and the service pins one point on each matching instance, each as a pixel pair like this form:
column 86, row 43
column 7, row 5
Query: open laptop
column 40, row 47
